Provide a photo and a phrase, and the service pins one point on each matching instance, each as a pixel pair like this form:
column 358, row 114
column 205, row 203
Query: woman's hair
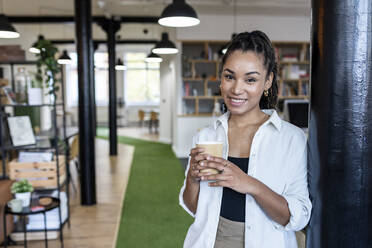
column 258, row 42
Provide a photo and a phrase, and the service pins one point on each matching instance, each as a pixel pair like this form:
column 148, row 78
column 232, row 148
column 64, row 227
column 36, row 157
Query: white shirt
column 278, row 158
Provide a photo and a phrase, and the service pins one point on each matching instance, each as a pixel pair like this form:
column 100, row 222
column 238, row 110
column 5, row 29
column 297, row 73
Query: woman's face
column 243, row 81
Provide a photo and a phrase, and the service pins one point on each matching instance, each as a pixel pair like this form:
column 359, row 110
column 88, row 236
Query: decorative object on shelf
column 216, row 109
column 9, row 94
column 179, row 14
column 34, row 48
column 47, row 66
column 21, row 85
column 45, row 201
column 165, row 46
column 120, row 65
column 16, row 205
column 64, row 59
column 7, row 30
column 20, row 130
column 22, row 190
column 153, row 58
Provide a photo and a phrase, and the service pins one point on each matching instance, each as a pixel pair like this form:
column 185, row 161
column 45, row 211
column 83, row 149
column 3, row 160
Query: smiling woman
column 260, row 195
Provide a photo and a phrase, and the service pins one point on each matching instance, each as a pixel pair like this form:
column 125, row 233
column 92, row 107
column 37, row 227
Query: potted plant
column 47, row 66
column 22, row 190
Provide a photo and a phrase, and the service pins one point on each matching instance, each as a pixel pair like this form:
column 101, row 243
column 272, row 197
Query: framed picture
column 20, row 130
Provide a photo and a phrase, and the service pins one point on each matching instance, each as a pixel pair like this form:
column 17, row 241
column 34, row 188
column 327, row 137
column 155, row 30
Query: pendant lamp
column 179, row 14
column 33, row 48
column 153, row 58
column 7, row 31
column 165, row 46
column 64, row 59
column 120, row 65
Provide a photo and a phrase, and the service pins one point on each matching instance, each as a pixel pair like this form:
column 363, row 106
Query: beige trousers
column 230, row 234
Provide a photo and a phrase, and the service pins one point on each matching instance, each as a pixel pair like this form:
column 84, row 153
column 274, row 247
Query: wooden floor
column 96, row 226
column 139, row 133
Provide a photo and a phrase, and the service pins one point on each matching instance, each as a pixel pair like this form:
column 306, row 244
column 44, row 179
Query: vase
column 25, row 197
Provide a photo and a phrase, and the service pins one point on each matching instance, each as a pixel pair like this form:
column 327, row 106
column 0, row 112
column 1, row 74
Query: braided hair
column 259, row 43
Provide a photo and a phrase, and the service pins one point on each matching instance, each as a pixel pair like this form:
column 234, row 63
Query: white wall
column 220, row 27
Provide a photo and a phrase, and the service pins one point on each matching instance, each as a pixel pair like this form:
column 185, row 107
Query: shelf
column 42, row 146
column 19, row 63
column 195, row 115
column 193, row 79
column 30, row 106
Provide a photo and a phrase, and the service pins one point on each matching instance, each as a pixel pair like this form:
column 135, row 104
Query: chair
column 141, row 117
column 154, row 121
column 74, row 156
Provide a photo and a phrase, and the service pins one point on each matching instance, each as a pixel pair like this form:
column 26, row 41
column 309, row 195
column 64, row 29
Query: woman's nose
column 237, row 87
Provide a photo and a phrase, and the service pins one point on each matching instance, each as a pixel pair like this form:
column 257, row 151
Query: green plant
column 47, row 66
column 22, row 186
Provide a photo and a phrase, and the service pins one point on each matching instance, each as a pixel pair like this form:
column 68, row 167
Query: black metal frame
column 4, row 148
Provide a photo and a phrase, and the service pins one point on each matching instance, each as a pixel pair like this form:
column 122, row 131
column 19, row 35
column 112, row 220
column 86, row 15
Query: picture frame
column 20, row 130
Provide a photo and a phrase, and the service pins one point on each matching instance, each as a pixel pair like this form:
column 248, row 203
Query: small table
column 27, row 211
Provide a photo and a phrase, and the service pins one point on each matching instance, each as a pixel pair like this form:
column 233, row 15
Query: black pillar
column 84, row 47
column 111, row 27
column 340, row 134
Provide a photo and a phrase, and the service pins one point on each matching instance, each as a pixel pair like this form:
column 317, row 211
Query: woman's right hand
column 194, row 170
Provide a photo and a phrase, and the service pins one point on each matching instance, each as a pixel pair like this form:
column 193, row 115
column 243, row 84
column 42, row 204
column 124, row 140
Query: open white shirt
column 278, row 158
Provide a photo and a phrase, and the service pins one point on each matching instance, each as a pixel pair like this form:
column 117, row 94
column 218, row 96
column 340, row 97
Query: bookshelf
column 200, row 74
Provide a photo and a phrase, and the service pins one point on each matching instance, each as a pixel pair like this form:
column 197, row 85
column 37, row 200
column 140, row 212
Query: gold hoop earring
column 266, row 93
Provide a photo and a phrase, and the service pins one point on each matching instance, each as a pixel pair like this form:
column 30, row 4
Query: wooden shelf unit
column 200, row 74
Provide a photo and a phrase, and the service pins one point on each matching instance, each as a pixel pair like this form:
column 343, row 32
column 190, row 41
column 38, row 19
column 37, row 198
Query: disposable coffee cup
column 15, row 205
column 213, row 148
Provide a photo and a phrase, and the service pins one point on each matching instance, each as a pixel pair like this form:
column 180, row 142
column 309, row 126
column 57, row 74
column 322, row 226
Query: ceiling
column 155, row 7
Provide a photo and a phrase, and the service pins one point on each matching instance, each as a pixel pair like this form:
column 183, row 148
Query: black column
column 340, row 134
column 84, row 47
column 111, row 27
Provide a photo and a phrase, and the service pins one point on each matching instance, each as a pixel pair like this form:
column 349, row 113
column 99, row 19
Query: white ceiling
column 155, row 7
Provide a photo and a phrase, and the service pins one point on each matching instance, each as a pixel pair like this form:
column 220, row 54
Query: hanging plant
column 47, row 66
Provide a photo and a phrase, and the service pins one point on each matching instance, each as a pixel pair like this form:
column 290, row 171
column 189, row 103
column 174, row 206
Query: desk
column 27, row 211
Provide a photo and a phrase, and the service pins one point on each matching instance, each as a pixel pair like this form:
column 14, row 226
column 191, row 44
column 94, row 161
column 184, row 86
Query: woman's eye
column 251, row 80
column 228, row 76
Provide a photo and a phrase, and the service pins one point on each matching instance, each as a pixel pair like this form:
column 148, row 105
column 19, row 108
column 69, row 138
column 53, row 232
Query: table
column 27, row 211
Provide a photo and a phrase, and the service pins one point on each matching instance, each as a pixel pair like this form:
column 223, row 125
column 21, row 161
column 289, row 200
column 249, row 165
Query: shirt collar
column 274, row 119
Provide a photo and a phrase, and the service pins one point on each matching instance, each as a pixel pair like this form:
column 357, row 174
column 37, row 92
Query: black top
column 233, row 203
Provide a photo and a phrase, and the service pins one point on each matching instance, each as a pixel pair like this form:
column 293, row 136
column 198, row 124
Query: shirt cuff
column 299, row 216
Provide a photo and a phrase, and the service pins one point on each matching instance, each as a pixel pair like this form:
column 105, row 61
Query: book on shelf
column 187, row 89
column 289, row 58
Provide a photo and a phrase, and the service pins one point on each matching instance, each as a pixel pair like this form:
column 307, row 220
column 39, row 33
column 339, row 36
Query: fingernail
column 208, row 158
column 202, row 178
column 201, row 163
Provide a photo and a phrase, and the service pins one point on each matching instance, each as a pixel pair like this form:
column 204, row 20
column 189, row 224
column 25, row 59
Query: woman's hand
column 196, row 157
column 230, row 176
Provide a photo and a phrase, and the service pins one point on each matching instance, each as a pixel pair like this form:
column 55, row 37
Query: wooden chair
column 74, row 156
column 141, row 117
column 154, row 121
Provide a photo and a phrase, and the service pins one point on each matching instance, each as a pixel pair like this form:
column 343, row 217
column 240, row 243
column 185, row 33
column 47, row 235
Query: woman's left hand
column 231, row 176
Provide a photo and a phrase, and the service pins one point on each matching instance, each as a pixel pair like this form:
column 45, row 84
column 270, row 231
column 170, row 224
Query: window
column 101, row 80
column 142, row 80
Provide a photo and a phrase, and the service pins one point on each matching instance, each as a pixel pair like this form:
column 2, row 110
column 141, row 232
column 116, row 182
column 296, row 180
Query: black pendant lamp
column 165, row 46
column 33, row 48
column 7, row 31
column 179, row 14
column 64, row 59
column 153, row 58
column 120, row 65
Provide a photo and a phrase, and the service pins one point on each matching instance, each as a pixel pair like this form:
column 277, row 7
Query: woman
column 260, row 197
